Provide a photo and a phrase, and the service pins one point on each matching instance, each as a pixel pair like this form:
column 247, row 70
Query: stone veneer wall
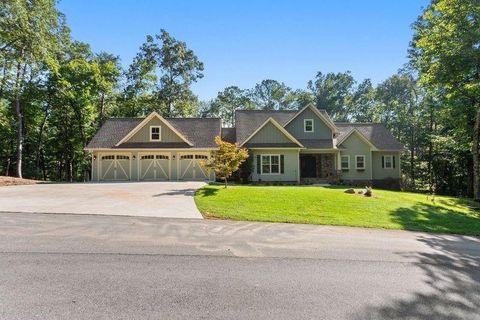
column 325, row 165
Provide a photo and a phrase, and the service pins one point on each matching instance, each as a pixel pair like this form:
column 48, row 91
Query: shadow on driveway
column 453, row 279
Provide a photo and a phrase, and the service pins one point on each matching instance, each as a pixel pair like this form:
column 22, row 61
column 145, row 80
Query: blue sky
column 244, row 42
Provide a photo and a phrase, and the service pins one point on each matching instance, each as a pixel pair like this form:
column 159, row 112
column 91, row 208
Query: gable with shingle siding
column 320, row 128
column 376, row 133
column 201, row 132
column 143, row 134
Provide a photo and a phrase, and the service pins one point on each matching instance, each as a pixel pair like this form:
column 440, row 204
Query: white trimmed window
column 270, row 164
column 155, row 133
column 308, row 125
column 345, row 162
column 388, row 162
column 360, row 162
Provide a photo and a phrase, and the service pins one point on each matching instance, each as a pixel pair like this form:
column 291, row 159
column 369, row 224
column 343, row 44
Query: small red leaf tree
column 226, row 159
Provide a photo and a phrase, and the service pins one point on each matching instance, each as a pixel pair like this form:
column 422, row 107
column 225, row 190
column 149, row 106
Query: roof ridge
column 125, row 118
column 194, row 118
column 358, row 123
column 246, row 110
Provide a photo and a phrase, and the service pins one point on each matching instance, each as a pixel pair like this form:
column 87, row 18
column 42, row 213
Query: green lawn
column 330, row 205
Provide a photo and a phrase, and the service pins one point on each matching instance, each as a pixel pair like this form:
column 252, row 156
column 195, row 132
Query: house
column 302, row 146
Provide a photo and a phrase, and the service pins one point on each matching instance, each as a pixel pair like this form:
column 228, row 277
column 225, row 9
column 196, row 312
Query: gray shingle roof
column 247, row 121
column 153, row 145
column 271, row 145
column 112, row 131
column 317, row 143
column 228, row 134
column 200, row 132
column 376, row 133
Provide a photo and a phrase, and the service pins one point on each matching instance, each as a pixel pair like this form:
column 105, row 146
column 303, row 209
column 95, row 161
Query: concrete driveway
column 148, row 199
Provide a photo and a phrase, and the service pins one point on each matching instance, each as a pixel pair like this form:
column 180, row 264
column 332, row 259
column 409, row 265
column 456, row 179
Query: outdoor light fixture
column 94, row 157
column 133, row 157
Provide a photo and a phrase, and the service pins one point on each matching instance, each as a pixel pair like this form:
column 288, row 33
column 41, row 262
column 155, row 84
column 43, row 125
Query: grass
column 331, row 206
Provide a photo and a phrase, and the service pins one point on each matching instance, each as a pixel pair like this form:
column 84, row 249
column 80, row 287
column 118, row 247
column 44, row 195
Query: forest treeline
column 55, row 93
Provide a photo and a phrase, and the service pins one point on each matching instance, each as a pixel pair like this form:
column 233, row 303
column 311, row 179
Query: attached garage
column 153, row 149
column 189, row 166
column 155, row 166
column 115, row 167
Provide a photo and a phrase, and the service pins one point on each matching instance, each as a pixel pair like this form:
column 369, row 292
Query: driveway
column 148, row 199
column 112, row 267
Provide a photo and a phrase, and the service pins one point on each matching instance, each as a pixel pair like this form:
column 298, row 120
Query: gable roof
column 112, row 131
column 278, row 126
column 201, row 132
column 322, row 114
column 344, row 137
column 145, row 121
column 376, row 133
column 247, row 121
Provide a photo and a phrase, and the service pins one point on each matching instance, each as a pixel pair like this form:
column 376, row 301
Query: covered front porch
column 320, row 167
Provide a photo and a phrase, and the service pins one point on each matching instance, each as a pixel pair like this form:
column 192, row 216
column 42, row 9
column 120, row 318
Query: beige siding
column 143, row 135
column 135, row 162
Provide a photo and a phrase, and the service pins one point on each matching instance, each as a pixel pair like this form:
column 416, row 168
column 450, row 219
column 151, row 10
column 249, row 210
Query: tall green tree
column 361, row 103
column 30, row 32
column 332, row 92
column 76, row 87
column 272, row 95
column 108, row 72
column 227, row 102
column 446, row 52
column 398, row 105
column 161, row 75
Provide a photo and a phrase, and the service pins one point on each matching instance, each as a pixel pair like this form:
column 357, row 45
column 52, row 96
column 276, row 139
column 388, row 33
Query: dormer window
column 308, row 125
column 155, row 133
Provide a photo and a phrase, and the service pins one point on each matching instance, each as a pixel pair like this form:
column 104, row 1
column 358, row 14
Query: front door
column 308, row 166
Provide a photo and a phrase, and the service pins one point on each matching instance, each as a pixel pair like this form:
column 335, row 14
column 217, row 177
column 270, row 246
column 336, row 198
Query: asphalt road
column 105, row 267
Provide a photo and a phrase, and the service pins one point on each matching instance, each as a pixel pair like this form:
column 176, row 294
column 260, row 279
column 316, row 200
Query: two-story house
column 302, row 146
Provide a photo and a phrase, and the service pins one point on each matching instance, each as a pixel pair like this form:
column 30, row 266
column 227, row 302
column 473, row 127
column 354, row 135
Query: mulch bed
column 12, row 181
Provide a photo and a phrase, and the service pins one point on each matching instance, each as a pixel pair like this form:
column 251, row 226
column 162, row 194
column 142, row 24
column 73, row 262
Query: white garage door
column 155, row 166
column 190, row 168
column 115, row 167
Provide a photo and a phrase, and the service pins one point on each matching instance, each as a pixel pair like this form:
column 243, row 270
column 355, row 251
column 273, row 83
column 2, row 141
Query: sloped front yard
column 331, row 206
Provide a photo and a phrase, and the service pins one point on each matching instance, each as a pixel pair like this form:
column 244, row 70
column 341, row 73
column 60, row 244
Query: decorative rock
column 368, row 192
column 350, row 191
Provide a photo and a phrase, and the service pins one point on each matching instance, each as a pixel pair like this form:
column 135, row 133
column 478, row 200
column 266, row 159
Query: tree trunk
column 7, row 168
column 19, row 115
column 430, row 152
column 476, row 157
column 102, row 107
column 40, row 143
column 412, row 159
column 225, row 183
